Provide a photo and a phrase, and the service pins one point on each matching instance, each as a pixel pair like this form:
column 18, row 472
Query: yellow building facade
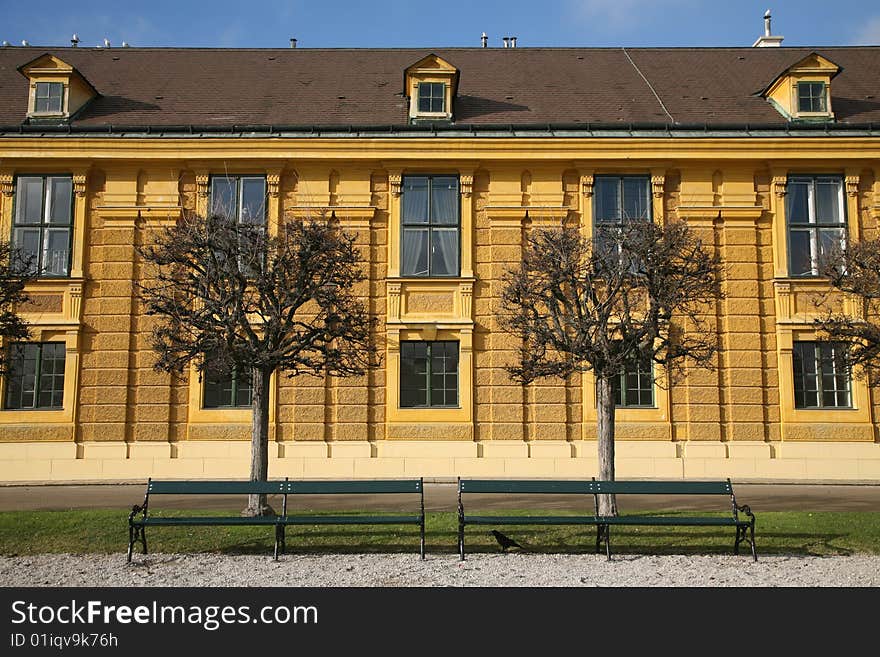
column 116, row 418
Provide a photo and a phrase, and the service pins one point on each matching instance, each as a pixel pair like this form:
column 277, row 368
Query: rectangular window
column 240, row 197
column 821, row 377
column 811, row 97
column 48, row 98
column 432, row 97
column 816, row 221
column 431, row 226
column 232, row 391
column 634, row 387
column 428, row 374
column 43, row 222
column 36, row 376
column 616, row 201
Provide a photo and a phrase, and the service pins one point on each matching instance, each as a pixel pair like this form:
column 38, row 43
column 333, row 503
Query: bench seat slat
column 531, row 520
column 344, row 487
column 664, row 487
column 524, row 486
column 351, row 520
column 207, row 520
column 675, row 520
column 215, row 487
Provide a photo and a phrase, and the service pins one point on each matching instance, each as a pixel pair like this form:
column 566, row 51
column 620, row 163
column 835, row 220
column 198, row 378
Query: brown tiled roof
column 363, row 87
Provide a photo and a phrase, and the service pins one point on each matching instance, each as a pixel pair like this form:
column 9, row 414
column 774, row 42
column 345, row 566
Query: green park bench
column 745, row 527
column 139, row 518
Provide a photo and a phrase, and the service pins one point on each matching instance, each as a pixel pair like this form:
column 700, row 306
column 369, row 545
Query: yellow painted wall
column 123, row 420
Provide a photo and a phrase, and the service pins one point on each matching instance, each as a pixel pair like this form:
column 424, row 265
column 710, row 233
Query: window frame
column 430, row 225
column 48, row 112
column 431, row 97
column 45, row 222
column 819, row 362
column 239, row 193
column 620, row 387
column 600, row 225
column 823, row 97
column 234, row 389
column 429, row 375
column 812, row 226
column 38, row 374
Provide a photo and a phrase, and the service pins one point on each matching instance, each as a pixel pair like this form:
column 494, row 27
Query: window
column 616, row 201
column 821, row 377
column 816, row 221
column 48, row 98
column 431, row 226
column 428, row 374
column 240, row 197
column 231, row 391
column 42, row 222
column 36, row 376
column 811, row 97
column 634, row 386
column 432, row 97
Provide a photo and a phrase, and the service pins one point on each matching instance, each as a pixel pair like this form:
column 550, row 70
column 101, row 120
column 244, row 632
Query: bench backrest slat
column 364, row 486
column 524, row 486
column 215, row 487
column 665, row 487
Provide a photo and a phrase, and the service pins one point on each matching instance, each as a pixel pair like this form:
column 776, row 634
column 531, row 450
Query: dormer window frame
column 35, row 97
column 796, row 98
column 431, row 84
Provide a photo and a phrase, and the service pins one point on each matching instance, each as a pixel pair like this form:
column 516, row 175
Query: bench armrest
column 746, row 510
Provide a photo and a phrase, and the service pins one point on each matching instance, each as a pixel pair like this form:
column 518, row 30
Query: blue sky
column 401, row 23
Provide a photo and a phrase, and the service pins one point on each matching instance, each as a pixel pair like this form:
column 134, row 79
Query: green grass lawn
column 106, row 531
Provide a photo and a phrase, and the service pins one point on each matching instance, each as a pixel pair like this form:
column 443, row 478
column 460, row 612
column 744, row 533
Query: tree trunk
column 258, row 505
column 605, row 422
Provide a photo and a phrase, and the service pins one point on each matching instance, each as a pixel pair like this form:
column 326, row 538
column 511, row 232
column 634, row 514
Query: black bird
column 505, row 541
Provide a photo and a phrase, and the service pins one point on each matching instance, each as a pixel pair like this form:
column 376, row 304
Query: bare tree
column 854, row 271
column 637, row 292
column 15, row 273
column 232, row 297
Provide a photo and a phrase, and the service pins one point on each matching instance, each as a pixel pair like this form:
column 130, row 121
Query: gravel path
column 396, row 570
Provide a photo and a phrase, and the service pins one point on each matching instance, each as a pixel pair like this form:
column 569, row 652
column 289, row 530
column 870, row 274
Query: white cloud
column 869, row 34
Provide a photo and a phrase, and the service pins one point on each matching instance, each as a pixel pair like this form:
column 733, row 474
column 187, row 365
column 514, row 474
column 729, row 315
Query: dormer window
column 432, row 98
column 812, row 98
column 56, row 90
column 48, row 98
column 430, row 85
column 803, row 91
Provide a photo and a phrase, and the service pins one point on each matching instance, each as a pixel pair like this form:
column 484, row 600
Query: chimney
column 74, row 41
column 506, row 41
column 484, row 40
column 106, row 42
column 767, row 40
column 513, row 42
column 293, row 43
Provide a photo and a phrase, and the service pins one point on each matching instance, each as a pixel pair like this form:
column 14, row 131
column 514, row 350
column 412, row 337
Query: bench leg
column 277, row 540
column 460, row 540
column 136, row 534
column 754, row 550
column 422, row 539
column 603, row 532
